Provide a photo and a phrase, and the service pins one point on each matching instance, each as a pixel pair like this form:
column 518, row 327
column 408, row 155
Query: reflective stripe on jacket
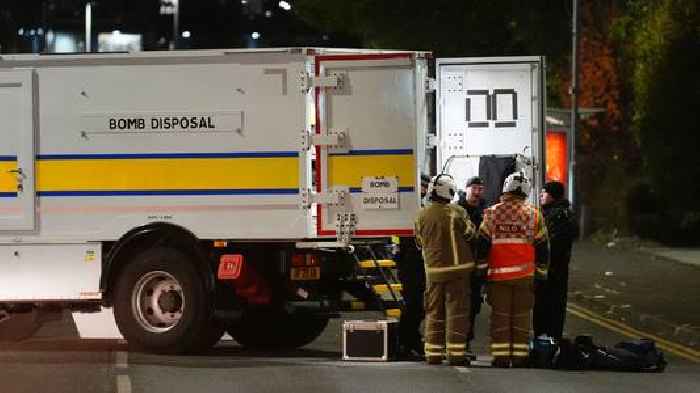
column 513, row 227
column 444, row 231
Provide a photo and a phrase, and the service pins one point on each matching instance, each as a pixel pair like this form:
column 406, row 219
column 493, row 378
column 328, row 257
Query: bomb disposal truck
column 195, row 192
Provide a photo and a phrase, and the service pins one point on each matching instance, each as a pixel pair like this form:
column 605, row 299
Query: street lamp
column 574, row 104
column 176, row 21
column 172, row 7
column 88, row 27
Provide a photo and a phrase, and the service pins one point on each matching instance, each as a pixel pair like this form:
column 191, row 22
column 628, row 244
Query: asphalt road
column 616, row 294
column 57, row 361
column 655, row 294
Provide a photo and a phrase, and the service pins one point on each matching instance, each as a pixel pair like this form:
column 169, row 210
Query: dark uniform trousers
column 511, row 302
column 549, row 313
column 412, row 277
column 446, row 316
column 475, row 308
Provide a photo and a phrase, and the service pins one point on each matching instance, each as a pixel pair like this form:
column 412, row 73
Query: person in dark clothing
column 411, row 273
column 551, row 297
column 472, row 201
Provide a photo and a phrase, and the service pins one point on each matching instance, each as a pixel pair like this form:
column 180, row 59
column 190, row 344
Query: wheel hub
column 158, row 302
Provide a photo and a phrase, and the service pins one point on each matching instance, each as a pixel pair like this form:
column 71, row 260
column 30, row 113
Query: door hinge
column 431, row 140
column 337, row 197
column 430, row 85
column 336, row 141
column 333, row 81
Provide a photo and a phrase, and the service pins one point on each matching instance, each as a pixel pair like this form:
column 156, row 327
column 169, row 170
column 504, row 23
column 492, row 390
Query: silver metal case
column 370, row 340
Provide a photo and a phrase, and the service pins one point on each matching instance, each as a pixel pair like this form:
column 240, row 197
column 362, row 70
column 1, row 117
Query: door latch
column 20, row 178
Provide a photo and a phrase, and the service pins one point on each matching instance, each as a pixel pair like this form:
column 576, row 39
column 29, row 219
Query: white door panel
column 376, row 107
column 16, row 151
column 490, row 107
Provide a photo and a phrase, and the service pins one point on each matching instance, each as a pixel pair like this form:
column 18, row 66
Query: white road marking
column 121, row 363
column 121, row 360
column 462, row 369
column 123, row 384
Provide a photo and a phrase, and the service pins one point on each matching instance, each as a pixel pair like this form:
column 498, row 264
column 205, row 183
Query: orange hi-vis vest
column 511, row 226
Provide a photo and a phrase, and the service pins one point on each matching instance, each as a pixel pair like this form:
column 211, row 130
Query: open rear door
column 489, row 111
column 375, row 108
column 16, row 151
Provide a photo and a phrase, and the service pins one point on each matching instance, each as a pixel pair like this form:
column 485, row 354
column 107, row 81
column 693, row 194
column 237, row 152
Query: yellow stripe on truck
column 348, row 170
column 167, row 174
column 8, row 181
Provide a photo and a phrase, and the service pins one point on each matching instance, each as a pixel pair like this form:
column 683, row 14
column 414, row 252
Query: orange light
column 557, row 164
column 220, row 244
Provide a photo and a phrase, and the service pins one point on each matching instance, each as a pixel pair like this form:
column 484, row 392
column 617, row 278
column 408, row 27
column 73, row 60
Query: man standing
column 550, row 298
column 473, row 202
column 443, row 231
column 412, row 276
column 513, row 239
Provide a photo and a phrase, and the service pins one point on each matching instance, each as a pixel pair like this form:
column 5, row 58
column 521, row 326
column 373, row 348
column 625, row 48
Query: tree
column 663, row 38
column 607, row 156
column 448, row 27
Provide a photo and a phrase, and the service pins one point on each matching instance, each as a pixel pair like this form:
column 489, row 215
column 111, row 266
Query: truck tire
column 277, row 330
column 161, row 304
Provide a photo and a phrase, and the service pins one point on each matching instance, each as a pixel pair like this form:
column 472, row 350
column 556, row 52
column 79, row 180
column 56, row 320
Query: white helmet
column 443, row 187
column 517, row 183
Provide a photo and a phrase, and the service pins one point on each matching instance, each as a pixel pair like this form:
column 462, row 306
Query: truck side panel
column 212, row 147
column 35, row 272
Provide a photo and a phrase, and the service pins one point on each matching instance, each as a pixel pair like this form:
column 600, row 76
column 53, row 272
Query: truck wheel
column 161, row 304
column 271, row 330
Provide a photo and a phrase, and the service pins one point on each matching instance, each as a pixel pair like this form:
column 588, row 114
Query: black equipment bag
column 572, row 355
column 582, row 354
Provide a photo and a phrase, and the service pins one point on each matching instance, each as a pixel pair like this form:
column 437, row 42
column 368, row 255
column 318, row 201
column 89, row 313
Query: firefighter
column 551, row 298
column 513, row 239
column 444, row 232
column 412, row 276
column 474, row 204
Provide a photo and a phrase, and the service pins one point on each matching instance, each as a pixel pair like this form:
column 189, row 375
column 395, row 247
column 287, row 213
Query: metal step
column 358, row 305
column 370, row 263
column 381, row 289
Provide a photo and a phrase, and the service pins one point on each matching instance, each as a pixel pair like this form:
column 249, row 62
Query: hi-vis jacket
column 517, row 236
column 444, row 232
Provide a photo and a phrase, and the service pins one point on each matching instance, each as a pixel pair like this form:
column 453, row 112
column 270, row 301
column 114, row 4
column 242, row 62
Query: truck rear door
column 16, row 151
column 375, row 108
column 490, row 109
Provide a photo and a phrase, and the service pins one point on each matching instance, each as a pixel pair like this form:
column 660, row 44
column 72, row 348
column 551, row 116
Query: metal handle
column 20, row 178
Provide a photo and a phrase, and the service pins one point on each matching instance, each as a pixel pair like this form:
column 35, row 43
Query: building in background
column 58, row 26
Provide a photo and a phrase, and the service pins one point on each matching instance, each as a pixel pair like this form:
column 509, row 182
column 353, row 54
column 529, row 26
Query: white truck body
column 272, row 147
column 98, row 159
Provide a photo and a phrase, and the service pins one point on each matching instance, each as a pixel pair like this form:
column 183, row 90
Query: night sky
column 211, row 23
